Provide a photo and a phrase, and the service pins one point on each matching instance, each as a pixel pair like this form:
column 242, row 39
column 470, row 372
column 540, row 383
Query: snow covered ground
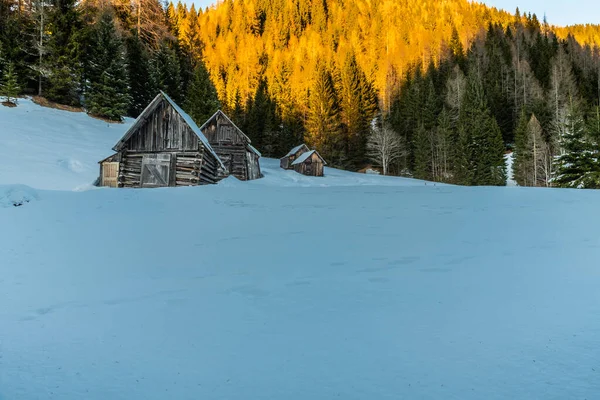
column 348, row 286
column 53, row 149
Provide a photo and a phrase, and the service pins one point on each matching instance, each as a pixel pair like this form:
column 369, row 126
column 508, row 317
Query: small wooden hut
column 310, row 163
column 286, row 161
column 163, row 147
column 232, row 146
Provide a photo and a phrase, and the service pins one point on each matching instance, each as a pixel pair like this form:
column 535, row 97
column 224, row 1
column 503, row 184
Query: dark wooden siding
column 163, row 129
column 231, row 145
column 313, row 166
column 286, row 162
column 188, row 168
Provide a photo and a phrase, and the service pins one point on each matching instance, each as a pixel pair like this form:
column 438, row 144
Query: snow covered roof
column 306, row 155
column 219, row 112
column 188, row 120
column 254, row 150
column 295, row 150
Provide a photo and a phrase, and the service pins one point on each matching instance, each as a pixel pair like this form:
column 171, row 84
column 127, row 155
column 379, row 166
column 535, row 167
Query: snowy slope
column 52, row 149
column 348, row 286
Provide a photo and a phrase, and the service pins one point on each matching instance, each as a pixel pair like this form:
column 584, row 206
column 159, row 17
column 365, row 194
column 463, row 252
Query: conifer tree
column 2, row 60
column 108, row 95
column 522, row 155
column 563, row 96
column 457, row 50
column 422, row 149
column 577, row 166
column 425, row 137
column 166, row 71
column 445, row 141
column 64, row 72
column 357, row 108
column 261, row 126
column 142, row 88
column 480, row 151
column 532, row 160
column 201, row 101
column 9, row 87
column 323, row 121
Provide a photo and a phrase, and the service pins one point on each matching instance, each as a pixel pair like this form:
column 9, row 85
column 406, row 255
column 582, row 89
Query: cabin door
column 309, row 168
column 156, row 170
column 110, row 173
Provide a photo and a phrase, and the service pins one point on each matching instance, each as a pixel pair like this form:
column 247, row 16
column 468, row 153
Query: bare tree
column 541, row 160
column 456, row 86
column 39, row 13
column 385, row 146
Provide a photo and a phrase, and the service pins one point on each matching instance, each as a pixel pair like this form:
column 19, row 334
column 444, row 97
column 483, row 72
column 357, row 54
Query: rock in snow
column 349, row 286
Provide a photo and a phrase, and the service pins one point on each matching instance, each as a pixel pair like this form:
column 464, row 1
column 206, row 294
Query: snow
column 304, row 156
column 405, row 289
column 294, row 150
column 52, row 149
column 508, row 158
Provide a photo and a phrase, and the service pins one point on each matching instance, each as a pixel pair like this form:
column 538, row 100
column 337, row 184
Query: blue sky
column 559, row 12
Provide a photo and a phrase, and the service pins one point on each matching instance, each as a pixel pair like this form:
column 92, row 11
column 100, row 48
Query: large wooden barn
column 232, row 146
column 163, row 147
column 286, row 161
column 310, row 163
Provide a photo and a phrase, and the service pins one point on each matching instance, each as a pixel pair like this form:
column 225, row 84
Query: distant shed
column 310, row 163
column 286, row 161
column 232, row 145
column 163, row 147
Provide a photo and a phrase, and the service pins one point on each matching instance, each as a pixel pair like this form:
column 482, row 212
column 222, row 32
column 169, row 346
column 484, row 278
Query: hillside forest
column 434, row 90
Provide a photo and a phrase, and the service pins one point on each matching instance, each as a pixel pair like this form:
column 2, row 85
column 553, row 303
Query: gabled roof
column 107, row 158
column 295, row 150
column 254, row 150
column 188, row 120
column 219, row 112
column 306, row 155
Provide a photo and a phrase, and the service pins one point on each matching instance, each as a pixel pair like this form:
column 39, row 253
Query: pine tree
column 107, row 96
column 457, row 50
column 260, row 122
column 532, row 160
column 166, row 71
column 445, row 141
column 64, row 73
column 577, row 166
column 522, row 154
column 425, row 137
column 480, row 151
column 422, row 148
column 9, row 87
column 2, row 60
column 323, row 122
column 201, row 101
column 357, row 108
column 563, row 96
column 141, row 84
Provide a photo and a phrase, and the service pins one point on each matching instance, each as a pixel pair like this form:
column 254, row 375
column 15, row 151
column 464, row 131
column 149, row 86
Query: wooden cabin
column 286, row 161
column 233, row 147
column 310, row 163
column 163, row 147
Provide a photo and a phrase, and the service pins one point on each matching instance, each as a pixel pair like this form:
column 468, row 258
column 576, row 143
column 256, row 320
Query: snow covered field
column 348, row 286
